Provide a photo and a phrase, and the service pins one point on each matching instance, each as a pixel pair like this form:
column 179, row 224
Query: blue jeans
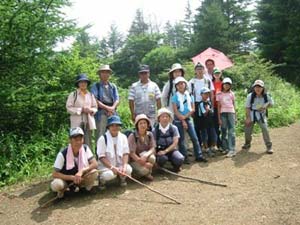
column 228, row 125
column 192, row 133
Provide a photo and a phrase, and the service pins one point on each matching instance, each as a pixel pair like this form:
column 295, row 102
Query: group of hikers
column 203, row 108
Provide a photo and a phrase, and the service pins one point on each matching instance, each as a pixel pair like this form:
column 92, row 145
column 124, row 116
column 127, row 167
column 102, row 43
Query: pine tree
column 115, row 39
column 138, row 26
column 188, row 22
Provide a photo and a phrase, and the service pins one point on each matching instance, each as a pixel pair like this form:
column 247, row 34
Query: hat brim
column 144, row 71
column 118, row 123
column 254, row 85
column 148, row 121
column 172, row 70
column 76, row 135
column 105, row 70
column 88, row 81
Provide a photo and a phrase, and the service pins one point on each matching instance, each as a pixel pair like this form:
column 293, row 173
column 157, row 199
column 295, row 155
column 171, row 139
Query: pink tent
column 220, row 59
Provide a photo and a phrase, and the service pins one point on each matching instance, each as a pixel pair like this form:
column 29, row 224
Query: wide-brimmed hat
column 76, row 131
column 176, row 66
column 198, row 65
column 204, row 90
column 144, row 68
column 227, row 80
column 258, row 83
column 104, row 68
column 82, row 77
column 162, row 111
column 141, row 117
column 180, row 79
column 113, row 120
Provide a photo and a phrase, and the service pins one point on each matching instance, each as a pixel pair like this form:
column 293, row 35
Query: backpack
column 75, row 96
column 157, row 132
column 127, row 133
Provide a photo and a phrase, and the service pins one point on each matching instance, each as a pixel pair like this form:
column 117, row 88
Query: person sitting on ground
column 142, row 148
column 166, row 136
column 74, row 165
column 184, row 107
column 256, row 112
column 113, row 154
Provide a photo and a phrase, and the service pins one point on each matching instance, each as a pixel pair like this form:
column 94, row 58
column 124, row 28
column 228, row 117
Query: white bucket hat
column 176, row 66
column 180, row 79
column 142, row 117
column 162, row 111
column 105, row 68
column 227, row 80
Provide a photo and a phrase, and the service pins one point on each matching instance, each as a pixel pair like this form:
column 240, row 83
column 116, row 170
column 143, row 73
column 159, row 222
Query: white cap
column 227, row 80
column 258, row 83
column 75, row 132
column 205, row 90
column 180, row 79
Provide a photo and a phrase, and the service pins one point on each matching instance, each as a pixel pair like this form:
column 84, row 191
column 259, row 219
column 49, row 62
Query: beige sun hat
column 105, row 68
column 162, row 111
column 176, row 66
column 141, row 117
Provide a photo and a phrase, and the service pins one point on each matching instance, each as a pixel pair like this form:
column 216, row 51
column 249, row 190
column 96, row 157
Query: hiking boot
column 201, row 159
column 269, row 151
column 123, row 183
column 176, row 169
column 211, row 153
column 246, row 147
column 186, row 160
column 230, row 154
column 60, row 194
column 149, row 177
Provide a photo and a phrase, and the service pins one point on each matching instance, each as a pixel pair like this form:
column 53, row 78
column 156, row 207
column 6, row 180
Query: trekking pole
column 69, row 185
column 191, row 178
column 150, row 188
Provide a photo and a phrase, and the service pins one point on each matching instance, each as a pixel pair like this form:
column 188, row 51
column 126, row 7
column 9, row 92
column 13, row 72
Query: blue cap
column 114, row 120
column 82, row 77
column 144, row 68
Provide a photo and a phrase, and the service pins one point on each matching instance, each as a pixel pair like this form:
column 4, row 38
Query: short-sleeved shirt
column 164, row 140
column 144, row 97
column 137, row 146
column 114, row 159
column 257, row 103
column 186, row 109
column 226, row 101
column 60, row 159
column 218, row 89
column 198, row 85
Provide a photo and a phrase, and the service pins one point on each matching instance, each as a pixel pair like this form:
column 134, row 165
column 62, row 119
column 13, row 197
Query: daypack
column 127, row 133
column 157, row 132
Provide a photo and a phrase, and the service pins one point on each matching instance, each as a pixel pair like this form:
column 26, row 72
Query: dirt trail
column 262, row 189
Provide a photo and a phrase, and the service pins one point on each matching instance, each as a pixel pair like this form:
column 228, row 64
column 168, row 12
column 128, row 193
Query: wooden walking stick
column 191, row 178
column 150, row 188
column 69, row 185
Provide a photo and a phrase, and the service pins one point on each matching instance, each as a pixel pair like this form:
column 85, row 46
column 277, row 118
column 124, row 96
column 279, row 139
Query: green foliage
column 278, row 36
column 223, row 25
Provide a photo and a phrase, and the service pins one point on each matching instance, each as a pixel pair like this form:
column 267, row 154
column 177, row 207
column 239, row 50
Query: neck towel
column 82, row 160
column 181, row 98
column 119, row 148
column 164, row 129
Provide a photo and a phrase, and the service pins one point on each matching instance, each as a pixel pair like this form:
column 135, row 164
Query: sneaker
column 246, row 147
column 149, row 177
column 270, row 151
column 201, row 159
column 211, row 153
column 60, row 194
column 123, row 183
column 186, row 160
column 177, row 169
column 230, row 154
column 101, row 185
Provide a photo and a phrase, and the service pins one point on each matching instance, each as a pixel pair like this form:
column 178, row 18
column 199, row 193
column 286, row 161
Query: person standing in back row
column 144, row 96
column 107, row 97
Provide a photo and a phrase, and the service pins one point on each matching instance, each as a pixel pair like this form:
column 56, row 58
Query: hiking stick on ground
column 68, row 186
column 150, row 188
column 191, row 178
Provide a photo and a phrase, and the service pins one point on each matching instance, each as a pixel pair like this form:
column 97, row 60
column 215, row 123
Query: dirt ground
column 262, row 189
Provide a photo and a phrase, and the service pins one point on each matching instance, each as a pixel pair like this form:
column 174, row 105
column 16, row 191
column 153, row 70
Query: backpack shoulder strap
column 265, row 95
column 75, row 96
column 105, row 139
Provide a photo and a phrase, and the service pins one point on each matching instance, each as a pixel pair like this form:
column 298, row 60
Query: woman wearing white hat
column 166, row 136
column 142, row 148
column 169, row 88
